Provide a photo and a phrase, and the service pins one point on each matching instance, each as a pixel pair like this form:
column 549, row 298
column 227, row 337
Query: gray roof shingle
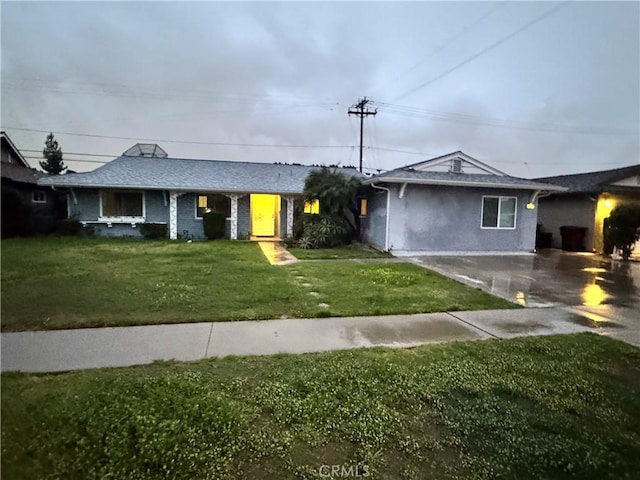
column 408, row 175
column 592, row 182
column 19, row 173
column 192, row 175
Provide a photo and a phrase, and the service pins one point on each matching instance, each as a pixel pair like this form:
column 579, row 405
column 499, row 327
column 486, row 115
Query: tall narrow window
column 312, row 207
column 363, row 207
column 115, row 203
column 499, row 212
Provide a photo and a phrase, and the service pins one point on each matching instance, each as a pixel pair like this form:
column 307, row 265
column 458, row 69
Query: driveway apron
column 603, row 291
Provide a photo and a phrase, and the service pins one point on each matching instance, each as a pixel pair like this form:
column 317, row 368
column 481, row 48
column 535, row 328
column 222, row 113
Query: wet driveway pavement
column 604, row 292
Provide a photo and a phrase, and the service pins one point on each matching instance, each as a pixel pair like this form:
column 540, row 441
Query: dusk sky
column 532, row 88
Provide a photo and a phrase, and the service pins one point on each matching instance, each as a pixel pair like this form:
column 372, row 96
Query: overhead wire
column 257, row 145
column 485, row 50
column 127, row 91
column 453, row 38
column 70, row 159
column 404, row 110
column 376, row 142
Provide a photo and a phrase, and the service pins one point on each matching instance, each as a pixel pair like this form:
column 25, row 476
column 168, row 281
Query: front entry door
column 264, row 214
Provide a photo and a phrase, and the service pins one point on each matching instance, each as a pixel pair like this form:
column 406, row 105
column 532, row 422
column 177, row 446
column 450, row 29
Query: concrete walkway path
column 276, row 253
column 60, row 350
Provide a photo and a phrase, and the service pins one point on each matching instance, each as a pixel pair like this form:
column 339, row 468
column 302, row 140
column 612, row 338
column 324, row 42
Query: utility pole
column 361, row 111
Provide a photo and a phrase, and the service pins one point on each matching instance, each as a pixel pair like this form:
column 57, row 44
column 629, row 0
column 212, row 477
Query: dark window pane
column 109, row 204
column 213, row 203
column 130, row 204
column 121, row 204
column 490, row 212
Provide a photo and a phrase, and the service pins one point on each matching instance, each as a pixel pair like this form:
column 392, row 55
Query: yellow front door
column 265, row 210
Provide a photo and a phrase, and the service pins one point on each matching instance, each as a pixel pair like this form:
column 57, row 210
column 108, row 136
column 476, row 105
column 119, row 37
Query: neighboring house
column 26, row 207
column 588, row 200
column 452, row 204
column 144, row 185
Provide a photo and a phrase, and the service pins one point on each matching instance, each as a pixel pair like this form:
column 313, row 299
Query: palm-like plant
column 336, row 194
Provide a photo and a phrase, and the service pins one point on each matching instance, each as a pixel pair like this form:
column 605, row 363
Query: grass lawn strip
column 347, row 252
column 545, row 407
column 50, row 283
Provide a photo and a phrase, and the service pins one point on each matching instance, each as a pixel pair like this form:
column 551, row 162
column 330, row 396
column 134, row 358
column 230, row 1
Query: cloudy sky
column 533, row 88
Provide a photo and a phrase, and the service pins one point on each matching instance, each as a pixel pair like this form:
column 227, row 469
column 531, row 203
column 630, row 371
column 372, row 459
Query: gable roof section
column 593, row 182
column 448, row 158
column 7, row 143
column 21, row 174
column 420, row 173
column 180, row 174
column 20, row 171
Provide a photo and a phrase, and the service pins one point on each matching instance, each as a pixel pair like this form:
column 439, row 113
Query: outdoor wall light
column 531, row 206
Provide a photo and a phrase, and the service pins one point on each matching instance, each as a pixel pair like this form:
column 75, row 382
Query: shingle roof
column 19, row 173
column 408, row 175
column 7, row 143
column 192, row 175
column 592, row 182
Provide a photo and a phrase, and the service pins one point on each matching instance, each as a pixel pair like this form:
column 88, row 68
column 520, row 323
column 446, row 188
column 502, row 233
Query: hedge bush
column 153, row 231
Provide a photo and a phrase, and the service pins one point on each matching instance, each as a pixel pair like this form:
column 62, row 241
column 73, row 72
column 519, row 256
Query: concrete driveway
column 604, row 291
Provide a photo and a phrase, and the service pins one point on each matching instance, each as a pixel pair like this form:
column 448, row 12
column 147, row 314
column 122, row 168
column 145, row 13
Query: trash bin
column 573, row 238
column 544, row 239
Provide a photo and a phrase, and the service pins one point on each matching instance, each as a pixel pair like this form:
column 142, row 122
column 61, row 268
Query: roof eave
column 173, row 189
column 459, row 183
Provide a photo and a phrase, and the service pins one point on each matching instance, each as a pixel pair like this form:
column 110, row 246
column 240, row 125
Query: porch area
column 252, row 216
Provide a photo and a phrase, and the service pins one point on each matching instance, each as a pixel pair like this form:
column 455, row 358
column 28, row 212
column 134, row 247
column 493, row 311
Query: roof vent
column 456, row 165
column 146, row 150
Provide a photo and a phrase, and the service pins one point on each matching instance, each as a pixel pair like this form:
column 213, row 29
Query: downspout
column 386, row 234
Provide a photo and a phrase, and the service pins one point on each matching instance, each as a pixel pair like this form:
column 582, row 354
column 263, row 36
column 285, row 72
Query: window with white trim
column 38, row 196
column 213, row 203
column 499, row 212
column 121, row 203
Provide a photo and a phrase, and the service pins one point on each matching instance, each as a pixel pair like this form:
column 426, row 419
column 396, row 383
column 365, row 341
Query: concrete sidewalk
column 60, row 350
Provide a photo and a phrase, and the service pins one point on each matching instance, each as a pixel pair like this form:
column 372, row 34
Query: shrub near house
column 622, row 229
column 330, row 217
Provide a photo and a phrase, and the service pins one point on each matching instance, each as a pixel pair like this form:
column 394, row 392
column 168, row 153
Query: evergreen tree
column 53, row 164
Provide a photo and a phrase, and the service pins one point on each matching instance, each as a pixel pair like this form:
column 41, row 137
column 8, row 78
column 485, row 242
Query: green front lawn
column 545, row 407
column 53, row 283
column 349, row 251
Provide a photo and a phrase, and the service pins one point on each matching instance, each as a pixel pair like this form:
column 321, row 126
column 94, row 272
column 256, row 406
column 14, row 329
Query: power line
column 72, row 153
column 385, row 149
column 449, row 41
column 408, row 111
column 135, row 139
column 484, row 50
column 69, row 159
column 126, row 91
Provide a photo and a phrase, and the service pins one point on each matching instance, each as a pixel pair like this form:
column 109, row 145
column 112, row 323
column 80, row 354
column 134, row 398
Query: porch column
column 290, row 216
column 234, row 215
column 173, row 215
